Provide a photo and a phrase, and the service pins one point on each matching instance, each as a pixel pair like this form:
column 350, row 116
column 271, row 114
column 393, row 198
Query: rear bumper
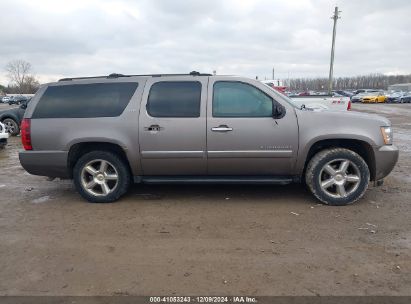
column 45, row 163
column 3, row 139
column 385, row 159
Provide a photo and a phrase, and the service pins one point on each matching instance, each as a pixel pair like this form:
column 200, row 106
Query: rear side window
column 174, row 99
column 85, row 100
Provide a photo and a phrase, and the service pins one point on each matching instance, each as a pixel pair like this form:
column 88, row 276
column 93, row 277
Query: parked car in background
column 358, row 97
column 5, row 99
column 365, row 91
column 198, row 128
column 344, row 93
column 17, row 99
column 12, row 118
column 406, row 98
column 275, row 84
column 333, row 102
column 399, row 97
column 3, row 136
column 374, row 97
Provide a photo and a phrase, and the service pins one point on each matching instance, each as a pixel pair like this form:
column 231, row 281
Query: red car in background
column 276, row 84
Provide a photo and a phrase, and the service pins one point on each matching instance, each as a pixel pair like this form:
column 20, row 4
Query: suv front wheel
column 337, row 176
column 101, row 177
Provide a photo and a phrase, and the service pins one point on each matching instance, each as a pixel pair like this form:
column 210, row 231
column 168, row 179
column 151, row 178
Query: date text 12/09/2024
column 201, row 299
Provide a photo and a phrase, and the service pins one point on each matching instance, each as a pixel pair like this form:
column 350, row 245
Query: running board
column 278, row 180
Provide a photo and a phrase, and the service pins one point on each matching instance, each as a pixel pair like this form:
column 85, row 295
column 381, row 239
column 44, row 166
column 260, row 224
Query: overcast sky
column 243, row 37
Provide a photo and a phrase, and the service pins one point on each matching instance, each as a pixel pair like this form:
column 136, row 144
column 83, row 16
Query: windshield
column 373, row 94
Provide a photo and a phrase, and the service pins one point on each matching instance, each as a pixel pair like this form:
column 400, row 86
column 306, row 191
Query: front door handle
column 153, row 128
column 222, row 128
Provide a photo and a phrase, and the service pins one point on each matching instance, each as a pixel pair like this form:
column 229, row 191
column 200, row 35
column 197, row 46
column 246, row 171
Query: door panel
column 248, row 145
column 173, row 145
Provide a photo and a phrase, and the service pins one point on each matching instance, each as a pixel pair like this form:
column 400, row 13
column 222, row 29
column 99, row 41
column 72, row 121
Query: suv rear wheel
column 337, row 176
column 101, row 177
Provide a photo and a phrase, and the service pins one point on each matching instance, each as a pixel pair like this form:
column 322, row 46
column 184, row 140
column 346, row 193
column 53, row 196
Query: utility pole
column 273, row 73
column 330, row 77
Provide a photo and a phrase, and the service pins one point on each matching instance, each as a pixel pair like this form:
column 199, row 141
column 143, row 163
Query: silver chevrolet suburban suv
column 107, row 132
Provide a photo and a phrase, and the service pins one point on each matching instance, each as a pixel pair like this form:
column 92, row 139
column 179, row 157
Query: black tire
column 3, row 144
column 12, row 126
column 316, row 171
column 115, row 162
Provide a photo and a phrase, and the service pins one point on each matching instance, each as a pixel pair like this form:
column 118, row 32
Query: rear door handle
column 222, row 128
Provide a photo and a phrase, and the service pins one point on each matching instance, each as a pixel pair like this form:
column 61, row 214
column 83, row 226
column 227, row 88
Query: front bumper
column 45, row 163
column 385, row 159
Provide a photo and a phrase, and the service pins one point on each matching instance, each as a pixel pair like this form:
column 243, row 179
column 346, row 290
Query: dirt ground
column 206, row 240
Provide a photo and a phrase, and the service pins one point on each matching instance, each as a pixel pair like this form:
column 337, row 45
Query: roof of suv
column 115, row 75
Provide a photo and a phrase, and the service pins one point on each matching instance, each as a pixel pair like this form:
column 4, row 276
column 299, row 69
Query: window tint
column 236, row 99
column 174, row 99
column 85, row 100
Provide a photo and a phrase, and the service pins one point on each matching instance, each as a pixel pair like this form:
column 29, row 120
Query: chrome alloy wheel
column 340, row 178
column 99, row 177
column 9, row 126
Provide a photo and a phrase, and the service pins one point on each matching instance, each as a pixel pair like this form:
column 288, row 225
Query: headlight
column 387, row 135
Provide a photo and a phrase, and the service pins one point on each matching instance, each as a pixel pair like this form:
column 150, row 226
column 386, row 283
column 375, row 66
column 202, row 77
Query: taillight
column 26, row 134
column 349, row 105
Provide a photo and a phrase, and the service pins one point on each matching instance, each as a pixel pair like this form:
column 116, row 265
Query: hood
column 347, row 116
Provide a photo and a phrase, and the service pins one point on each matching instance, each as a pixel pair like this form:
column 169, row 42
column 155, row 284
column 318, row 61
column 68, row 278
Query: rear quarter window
column 85, row 100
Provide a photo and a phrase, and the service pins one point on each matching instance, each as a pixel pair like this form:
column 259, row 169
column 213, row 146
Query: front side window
column 174, row 99
column 85, row 100
column 237, row 99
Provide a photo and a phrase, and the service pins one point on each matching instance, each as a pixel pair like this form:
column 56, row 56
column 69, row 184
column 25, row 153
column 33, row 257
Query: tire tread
column 122, row 169
column 310, row 178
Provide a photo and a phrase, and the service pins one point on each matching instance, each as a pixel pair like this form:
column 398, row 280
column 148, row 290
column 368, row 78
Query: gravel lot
column 206, row 240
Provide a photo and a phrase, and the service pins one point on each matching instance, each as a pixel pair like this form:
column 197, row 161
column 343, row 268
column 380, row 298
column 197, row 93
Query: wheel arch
column 2, row 118
column 361, row 147
column 81, row 148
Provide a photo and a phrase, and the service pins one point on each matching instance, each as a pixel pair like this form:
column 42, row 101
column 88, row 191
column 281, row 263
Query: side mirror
column 23, row 106
column 278, row 111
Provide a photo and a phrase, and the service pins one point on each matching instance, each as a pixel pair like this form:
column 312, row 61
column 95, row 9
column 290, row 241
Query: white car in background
column 3, row 136
column 316, row 101
column 5, row 99
column 334, row 103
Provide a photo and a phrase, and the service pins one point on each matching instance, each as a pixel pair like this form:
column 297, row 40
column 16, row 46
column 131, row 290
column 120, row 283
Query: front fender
column 303, row 153
column 329, row 125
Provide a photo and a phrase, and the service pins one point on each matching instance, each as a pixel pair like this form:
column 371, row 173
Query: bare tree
column 30, row 85
column 372, row 81
column 19, row 74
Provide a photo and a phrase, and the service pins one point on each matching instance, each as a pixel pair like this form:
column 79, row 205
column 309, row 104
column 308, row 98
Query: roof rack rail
column 115, row 75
